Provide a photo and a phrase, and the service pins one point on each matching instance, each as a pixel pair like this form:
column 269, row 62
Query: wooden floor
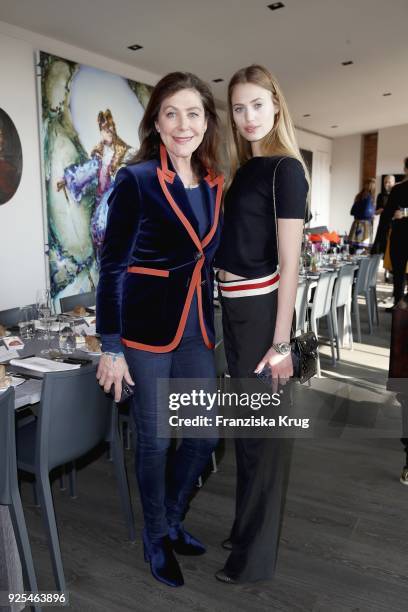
column 344, row 541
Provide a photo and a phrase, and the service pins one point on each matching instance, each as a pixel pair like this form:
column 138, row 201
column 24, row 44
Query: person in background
column 381, row 236
column 396, row 213
column 155, row 298
column 258, row 262
column 361, row 232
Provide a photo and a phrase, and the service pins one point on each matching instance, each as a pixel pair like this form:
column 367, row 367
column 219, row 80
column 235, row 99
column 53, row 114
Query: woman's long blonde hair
column 281, row 140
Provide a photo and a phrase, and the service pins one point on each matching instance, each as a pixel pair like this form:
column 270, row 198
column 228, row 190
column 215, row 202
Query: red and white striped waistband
column 248, row 287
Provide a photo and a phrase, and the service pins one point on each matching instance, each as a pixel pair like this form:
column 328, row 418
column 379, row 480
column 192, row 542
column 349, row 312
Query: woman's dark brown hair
column 205, row 157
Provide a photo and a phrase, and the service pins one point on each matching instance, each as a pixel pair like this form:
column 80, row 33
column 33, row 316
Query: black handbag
column 304, row 347
column 304, row 350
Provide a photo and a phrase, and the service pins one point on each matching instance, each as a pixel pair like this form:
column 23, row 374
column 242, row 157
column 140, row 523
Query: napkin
column 39, row 364
column 13, row 342
column 6, row 355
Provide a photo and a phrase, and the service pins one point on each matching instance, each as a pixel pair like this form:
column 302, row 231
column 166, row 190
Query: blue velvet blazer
column 153, row 260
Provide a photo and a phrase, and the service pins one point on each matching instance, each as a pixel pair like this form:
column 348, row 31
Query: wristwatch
column 282, row 347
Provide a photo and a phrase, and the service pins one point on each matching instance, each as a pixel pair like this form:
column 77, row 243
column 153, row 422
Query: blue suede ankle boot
column 184, row 543
column 163, row 564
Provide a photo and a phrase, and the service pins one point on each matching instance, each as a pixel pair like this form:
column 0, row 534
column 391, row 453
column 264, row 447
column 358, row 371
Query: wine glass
column 43, row 304
column 67, row 340
column 26, row 323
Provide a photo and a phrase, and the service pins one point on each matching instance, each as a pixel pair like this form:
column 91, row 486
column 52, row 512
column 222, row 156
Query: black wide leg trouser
column 263, row 464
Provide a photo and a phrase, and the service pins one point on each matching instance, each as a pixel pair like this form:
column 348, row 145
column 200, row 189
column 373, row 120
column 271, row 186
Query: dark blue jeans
column 164, row 501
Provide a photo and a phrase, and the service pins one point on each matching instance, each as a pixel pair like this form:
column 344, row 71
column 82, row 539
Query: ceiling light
column 275, row 6
column 217, row 80
column 334, row 126
column 388, row 93
column 347, row 63
column 307, row 115
column 135, row 47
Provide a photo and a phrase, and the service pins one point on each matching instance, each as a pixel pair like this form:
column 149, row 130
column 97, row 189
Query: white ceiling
column 303, row 44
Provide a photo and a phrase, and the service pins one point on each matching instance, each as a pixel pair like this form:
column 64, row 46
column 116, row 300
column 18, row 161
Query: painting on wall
column 11, row 158
column 90, row 121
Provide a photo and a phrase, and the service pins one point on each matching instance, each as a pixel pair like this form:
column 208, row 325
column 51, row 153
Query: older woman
column 154, row 299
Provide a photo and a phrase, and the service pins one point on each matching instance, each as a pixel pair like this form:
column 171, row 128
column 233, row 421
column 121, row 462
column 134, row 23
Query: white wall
column 345, row 180
column 392, row 150
column 23, row 268
column 22, row 262
column 320, row 188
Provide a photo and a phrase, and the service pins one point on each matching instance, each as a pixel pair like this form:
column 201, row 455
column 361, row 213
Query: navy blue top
column 363, row 209
column 197, row 202
column 111, row 342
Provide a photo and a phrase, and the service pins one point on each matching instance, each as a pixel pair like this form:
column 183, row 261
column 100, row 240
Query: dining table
column 27, row 396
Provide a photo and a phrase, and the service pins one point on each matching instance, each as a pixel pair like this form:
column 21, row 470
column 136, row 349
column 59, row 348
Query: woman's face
column 106, row 136
column 253, row 111
column 182, row 122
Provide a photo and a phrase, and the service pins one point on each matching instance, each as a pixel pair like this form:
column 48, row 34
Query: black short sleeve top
column 248, row 240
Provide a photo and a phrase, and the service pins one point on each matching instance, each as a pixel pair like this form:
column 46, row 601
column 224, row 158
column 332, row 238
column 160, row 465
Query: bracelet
column 114, row 356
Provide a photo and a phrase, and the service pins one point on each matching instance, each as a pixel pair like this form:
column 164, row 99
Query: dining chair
column 372, row 286
column 74, row 417
column 81, row 299
column 301, row 306
column 361, row 290
column 9, row 492
column 321, row 307
column 12, row 316
column 342, row 299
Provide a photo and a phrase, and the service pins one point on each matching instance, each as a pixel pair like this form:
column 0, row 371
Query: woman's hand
column 280, row 365
column 112, row 369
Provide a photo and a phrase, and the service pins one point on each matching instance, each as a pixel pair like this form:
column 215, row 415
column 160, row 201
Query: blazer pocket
column 150, row 271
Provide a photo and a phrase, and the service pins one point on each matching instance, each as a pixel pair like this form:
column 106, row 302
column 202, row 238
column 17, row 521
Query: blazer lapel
column 176, row 196
column 213, row 182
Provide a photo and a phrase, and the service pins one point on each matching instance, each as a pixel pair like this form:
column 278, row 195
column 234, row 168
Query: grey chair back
column 74, row 416
column 12, row 316
column 81, row 299
column 373, row 270
column 343, row 286
column 10, row 496
column 301, row 305
column 8, row 463
column 362, row 276
column 323, row 295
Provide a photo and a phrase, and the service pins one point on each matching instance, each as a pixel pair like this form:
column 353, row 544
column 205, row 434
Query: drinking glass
column 26, row 323
column 47, row 323
column 67, row 340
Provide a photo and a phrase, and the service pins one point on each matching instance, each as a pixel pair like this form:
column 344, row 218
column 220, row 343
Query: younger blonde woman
column 258, row 290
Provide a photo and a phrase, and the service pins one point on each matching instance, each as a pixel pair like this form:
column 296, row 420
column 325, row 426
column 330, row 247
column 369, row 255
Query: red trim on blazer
column 201, row 318
column 152, row 271
column 165, row 175
column 182, row 323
